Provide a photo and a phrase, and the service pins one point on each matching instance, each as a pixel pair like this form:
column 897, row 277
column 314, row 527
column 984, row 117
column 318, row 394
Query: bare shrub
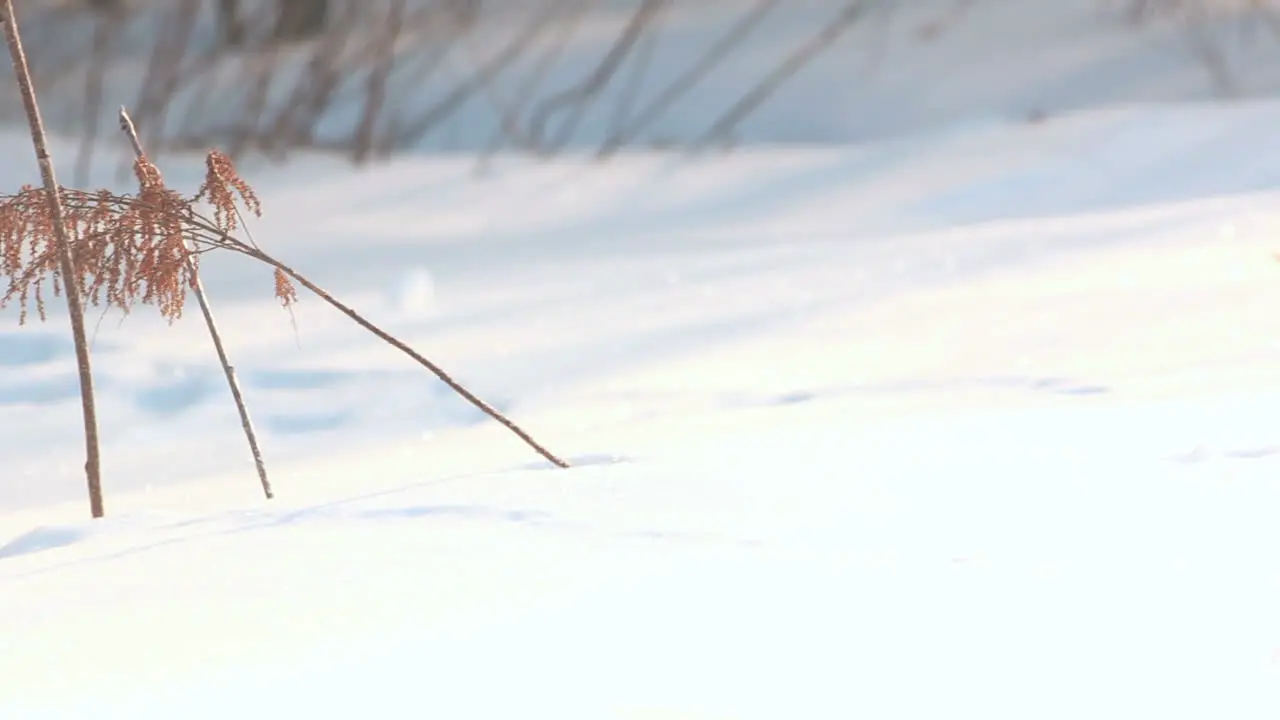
column 379, row 76
column 1211, row 29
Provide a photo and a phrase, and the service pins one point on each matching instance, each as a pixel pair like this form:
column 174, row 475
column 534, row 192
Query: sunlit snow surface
column 846, row 445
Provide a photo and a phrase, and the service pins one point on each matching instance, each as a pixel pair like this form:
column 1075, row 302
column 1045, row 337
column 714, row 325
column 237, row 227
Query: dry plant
column 58, row 252
column 122, row 250
column 246, row 423
column 1212, row 30
column 540, row 77
column 144, row 248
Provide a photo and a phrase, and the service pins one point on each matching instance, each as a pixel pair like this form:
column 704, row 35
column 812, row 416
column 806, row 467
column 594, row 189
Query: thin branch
column 199, row 230
column 164, row 76
column 685, row 83
column 75, row 305
column 788, row 67
column 376, row 84
column 436, row 370
column 102, row 34
column 579, row 95
column 642, row 57
column 567, row 19
column 197, row 286
column 461, row 93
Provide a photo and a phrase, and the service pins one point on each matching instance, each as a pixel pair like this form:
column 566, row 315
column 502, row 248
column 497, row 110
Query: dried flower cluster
column 145, row 248
column 128, row 249
column 222, row 184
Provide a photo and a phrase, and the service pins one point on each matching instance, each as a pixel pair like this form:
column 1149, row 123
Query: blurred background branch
column 370, row 78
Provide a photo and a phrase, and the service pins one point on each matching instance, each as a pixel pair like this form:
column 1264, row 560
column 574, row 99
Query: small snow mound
column 52, row 537
column 416, row 294
column 580, row 461
column 45, row 538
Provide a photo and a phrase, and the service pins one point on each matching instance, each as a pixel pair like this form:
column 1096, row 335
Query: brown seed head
column 222, row 184
column 126, row 249
column 286, row 293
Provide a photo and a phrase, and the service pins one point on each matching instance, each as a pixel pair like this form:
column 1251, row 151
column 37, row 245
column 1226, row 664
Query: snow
column 973, row 423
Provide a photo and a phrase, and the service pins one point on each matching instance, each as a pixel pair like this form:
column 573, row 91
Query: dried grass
column 128, row 249
column 121, row 250
column 144, row 248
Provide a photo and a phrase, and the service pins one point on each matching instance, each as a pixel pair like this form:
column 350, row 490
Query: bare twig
column 686, row 82
column 850, row 14
column 145, row 247
column 164, row 72
column 75, row 306
column 641, row 59
column 567, row 19
column 102, row 34
column 579, row 95
column 210, row 233
column 376, row 86
column 454, row 99
column 197, row 287
column 391, row 340
column 314, row 93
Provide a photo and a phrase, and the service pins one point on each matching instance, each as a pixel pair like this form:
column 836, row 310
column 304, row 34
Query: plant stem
column 126, row 125
column 391, row 340
column 70, row 280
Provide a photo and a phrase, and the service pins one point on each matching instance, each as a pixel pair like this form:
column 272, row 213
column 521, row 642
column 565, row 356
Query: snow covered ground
column 978, row 423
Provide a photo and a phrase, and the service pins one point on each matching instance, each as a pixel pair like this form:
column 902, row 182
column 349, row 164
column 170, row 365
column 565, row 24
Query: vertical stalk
column 126, row 124
column 70, row 280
